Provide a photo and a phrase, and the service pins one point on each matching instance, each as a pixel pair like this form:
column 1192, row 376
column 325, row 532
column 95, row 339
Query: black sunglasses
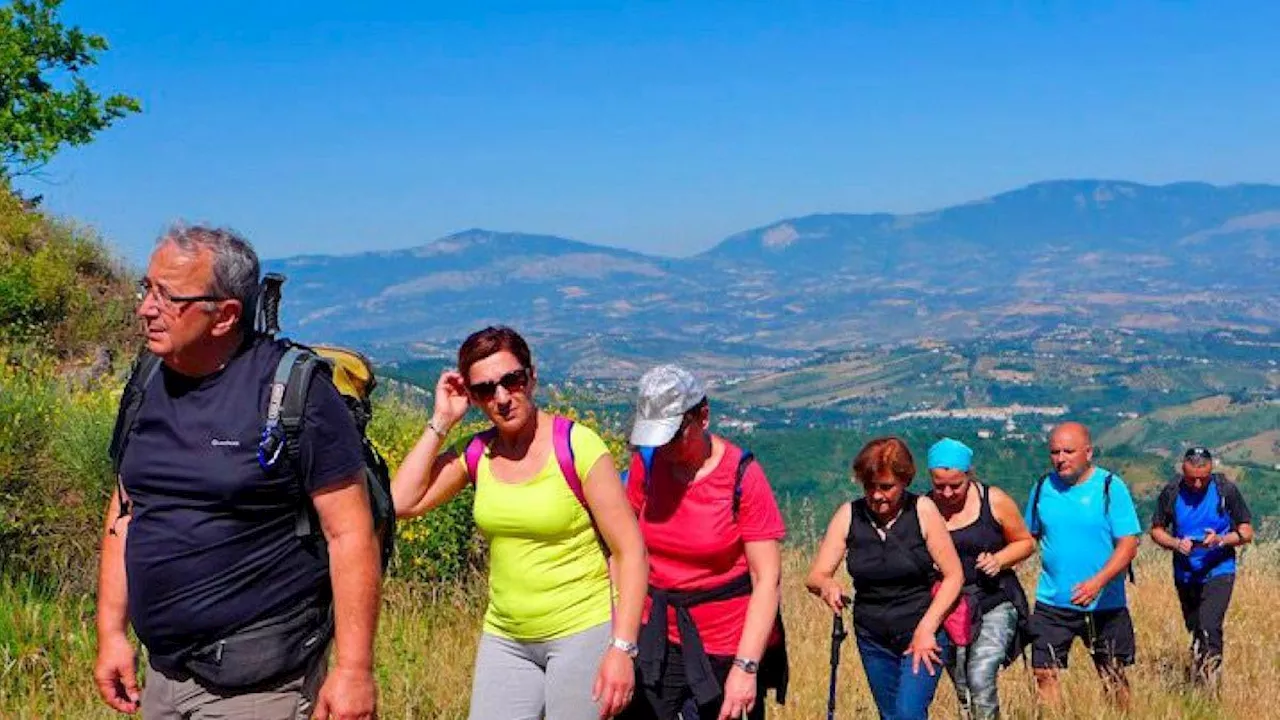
column 515, row 381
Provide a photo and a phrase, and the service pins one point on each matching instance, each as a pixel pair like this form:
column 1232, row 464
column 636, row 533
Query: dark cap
column 1198, row 454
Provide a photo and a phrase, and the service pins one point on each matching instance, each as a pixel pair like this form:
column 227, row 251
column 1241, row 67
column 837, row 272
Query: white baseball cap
column 667, row 392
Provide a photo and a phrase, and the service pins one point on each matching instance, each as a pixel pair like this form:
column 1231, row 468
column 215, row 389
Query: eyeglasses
column 515, row 381
column 167, row 301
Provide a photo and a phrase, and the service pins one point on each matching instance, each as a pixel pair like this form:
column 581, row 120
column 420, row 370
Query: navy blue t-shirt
column 211, row 544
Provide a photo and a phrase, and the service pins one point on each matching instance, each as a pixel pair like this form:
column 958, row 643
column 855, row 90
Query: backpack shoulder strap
column 561, row 431
column 475, row 449
column 1038, row 528
column 561, row 442
column 145, row 367
column 743, row 463
column 1106, row 511
column 1219, row 484
column 286, row 412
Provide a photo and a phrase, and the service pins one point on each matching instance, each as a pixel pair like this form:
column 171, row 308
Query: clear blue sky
column 338, row 127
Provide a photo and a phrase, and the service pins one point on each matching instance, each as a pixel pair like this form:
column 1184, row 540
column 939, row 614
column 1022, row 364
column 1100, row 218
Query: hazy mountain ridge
column 1111, row 253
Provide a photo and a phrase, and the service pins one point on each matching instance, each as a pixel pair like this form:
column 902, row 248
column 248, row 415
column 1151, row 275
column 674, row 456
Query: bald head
column 1074, row 430
column 1071, row 451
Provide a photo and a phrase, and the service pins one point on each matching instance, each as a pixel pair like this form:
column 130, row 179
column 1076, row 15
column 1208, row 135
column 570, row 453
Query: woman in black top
column 896, row 547
column 990, row 538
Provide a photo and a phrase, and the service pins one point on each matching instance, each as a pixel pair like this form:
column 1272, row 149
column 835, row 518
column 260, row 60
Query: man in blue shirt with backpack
column 1083, row 517
column 1202, row 518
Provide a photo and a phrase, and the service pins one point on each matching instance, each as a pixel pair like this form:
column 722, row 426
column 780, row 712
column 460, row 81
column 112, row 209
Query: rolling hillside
column 1188, row 256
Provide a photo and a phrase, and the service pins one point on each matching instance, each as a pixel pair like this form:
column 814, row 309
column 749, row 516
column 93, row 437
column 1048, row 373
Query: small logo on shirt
column 224, row 443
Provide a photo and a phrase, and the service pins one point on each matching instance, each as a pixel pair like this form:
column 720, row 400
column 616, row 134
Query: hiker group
column 252, row 521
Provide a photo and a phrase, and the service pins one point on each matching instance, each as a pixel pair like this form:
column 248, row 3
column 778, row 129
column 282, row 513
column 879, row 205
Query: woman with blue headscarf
column 991, row 538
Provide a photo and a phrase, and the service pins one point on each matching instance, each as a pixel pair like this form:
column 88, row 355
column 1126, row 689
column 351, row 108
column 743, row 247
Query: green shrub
column 53, row 443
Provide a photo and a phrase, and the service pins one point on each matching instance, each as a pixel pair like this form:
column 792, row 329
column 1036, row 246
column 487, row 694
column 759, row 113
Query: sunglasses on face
column 515, row 381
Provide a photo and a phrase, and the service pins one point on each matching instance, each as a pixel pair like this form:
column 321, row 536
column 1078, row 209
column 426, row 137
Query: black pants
column 1204, row 608
column 672, row 695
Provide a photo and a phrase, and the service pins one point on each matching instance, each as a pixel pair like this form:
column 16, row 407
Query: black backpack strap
column 1106, row 512
column 282, row 431
column 145, row 368
column 1038, row 530
column 1222, row 496
column 743, row 463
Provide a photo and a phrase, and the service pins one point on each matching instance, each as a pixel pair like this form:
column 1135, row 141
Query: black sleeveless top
column 983, row 535
column 892, row 578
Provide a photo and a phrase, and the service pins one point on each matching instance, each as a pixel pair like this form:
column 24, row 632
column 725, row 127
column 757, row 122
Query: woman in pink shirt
column 712, row 638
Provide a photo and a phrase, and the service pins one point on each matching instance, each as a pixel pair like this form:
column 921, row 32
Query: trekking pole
column 838, row 634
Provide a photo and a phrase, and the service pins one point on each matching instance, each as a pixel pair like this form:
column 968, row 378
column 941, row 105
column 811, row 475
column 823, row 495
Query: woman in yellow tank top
column 553, row 642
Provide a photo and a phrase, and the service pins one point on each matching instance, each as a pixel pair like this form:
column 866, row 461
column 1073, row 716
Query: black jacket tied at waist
column 698, row 672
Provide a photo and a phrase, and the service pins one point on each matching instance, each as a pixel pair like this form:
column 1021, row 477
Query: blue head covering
column 948, row 453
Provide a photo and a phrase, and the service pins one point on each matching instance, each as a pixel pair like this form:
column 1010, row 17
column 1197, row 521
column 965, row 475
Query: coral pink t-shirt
column 695, row 544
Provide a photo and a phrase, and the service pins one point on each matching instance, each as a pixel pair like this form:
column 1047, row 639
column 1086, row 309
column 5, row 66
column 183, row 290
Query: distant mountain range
column 1187, row 256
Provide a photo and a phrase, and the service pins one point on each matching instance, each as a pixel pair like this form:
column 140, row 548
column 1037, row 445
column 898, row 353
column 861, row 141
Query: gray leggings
column 973, row 669
column 521, row 681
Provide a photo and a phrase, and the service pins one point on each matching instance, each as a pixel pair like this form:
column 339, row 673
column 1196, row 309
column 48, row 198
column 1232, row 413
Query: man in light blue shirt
column 1084, row 518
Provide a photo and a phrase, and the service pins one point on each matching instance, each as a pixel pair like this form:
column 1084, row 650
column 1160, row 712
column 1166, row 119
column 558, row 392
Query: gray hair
column 235, row 264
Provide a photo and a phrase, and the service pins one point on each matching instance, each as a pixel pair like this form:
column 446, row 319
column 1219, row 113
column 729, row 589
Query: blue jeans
column 973, row 669
column 899, row 693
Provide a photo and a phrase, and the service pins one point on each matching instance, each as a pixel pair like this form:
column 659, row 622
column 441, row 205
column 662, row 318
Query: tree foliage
column 44, row 102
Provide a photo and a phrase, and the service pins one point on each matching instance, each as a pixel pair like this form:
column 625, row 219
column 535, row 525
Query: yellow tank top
column 548, row 578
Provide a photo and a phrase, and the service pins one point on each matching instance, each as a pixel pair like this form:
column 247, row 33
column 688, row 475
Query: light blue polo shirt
column 1077, row 537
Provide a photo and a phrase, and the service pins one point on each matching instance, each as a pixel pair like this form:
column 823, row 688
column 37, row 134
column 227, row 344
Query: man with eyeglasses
column 1202, row 518
column 200, row 553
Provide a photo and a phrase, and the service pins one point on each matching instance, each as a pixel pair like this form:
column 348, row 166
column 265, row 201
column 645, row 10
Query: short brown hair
column 884, row 455
column 490, row 341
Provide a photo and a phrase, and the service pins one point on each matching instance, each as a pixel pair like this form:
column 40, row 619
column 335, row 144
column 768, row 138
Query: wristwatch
column 631, row 649
column 751, row 667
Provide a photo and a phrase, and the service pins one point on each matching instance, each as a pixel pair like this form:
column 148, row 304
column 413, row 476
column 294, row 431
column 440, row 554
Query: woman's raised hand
column 452, row 400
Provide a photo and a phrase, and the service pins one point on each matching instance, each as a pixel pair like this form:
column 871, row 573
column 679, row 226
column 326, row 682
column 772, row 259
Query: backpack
column 561, row 433
column 1106, row 510
column 1168, row 498
column 646, row 460
column 352, row 375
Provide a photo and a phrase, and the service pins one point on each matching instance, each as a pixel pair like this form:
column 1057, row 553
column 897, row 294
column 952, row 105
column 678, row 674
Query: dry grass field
column 427, row 641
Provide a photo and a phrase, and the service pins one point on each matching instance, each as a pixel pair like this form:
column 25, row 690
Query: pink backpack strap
column 475, row 449
column 561, row 430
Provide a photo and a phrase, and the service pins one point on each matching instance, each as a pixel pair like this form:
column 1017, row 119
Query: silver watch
column 750, row 667
column 631, row 649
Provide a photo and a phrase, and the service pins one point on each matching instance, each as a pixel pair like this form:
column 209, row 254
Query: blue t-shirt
column 1197, row 515
column 1219, row 507
column 211, row 544
column 1078, row 535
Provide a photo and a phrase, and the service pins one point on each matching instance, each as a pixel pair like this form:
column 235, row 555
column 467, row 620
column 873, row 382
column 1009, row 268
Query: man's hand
column 116, row 675
column 1086, row 592
column 347, row 695
column 1213, row 539
column 615, row 683
column 989, row 564
column 739, row 694
column 1185, row 545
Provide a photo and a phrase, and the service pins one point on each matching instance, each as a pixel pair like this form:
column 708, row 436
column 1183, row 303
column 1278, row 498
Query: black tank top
column 892, row 577
column 981, row 536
